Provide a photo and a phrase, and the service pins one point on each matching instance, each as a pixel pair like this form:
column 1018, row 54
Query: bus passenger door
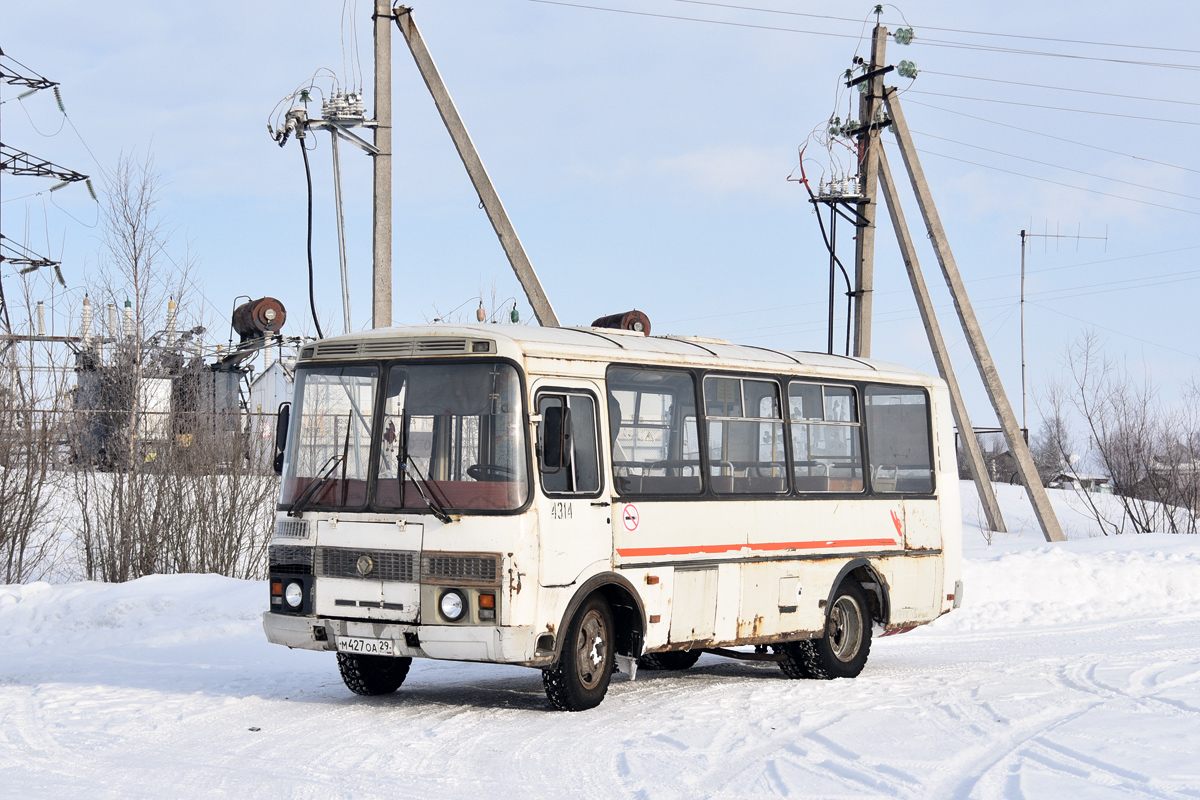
column 574, row 525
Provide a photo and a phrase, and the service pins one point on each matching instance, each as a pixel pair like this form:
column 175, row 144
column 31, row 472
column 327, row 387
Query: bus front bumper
column 508, row 645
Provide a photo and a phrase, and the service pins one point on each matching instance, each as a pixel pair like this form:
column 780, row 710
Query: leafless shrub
column 31, row 398
column 1150, row 453
column 164, row 473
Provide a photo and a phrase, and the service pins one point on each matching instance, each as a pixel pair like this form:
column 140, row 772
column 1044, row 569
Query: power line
column 1058, row 166
column 1060, row 183
column 694, row 19
column 968, row 280
column 859, row 37
column 986, row 48
column 947, row 30
column 1114, row 330
column 1057, row 138
column 1054, row 108
column 1061, row 88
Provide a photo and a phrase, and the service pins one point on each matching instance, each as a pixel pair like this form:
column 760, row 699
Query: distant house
column 1096, row 484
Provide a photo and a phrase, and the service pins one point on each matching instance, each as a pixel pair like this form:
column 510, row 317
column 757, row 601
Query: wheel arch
column 863, row 571
column 629, row 615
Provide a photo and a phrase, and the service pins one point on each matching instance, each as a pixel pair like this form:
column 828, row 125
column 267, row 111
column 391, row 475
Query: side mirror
column 281, row 431
column 556, row 427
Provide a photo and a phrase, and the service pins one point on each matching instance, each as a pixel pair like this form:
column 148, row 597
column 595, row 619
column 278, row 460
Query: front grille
column 480, row 568
column 287, row 559
column 291, row 528
column 385, row 565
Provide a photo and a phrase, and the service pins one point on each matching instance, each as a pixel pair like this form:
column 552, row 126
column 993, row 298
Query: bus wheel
column 795, row 658
column 670, row 660
column 842, row 652
column 372, row 675
column 580, row 679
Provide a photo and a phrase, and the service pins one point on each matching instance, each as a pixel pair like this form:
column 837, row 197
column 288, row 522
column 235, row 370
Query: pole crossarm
column 13, row 77
column 18, row 162
column 941, row 355
column 19, row 255
column 338, row 129
column 503, row 226
column 1017, row 446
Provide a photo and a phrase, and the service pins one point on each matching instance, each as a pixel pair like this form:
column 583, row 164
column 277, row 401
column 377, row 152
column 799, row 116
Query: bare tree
column 165, row 475
column 1149, row 452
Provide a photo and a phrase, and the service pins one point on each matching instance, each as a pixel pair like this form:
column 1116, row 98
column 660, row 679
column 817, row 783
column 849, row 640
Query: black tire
column 842, row 652
column 670, row 660
column 580, row 679
column 795, row 658
column 372, row 675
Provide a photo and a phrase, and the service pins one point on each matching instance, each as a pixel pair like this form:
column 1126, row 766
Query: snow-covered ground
column 1073, row 670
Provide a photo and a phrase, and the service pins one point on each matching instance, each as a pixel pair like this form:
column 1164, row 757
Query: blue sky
column 643, row 161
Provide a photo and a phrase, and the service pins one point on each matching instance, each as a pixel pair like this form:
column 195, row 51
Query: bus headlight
column 294, row 594
column 452, row 605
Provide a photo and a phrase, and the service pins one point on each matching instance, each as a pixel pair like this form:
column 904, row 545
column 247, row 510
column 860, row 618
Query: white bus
column 580, row 500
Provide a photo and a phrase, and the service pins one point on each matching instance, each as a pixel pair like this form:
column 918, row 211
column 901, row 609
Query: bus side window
column 567, row 450
column 826, row 438
column 898, row 439
column 652, row 422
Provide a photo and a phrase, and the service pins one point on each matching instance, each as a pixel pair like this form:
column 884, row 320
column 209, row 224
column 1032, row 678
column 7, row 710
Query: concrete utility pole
column 381, row 218
column 479, row 178
column 966, row 314
column 941, row 355
column 864, row 248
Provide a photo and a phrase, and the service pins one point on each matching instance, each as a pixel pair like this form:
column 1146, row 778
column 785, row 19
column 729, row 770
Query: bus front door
column 574, row 523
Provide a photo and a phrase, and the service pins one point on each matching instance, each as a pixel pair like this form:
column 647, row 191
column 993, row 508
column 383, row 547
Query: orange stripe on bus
column 688, row 550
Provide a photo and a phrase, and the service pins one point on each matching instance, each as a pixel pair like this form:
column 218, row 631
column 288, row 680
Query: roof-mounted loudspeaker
column 259, row 317
column 629, row 321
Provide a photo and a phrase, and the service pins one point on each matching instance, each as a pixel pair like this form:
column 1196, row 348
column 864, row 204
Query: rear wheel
column 580, row 679
column 842, row 652
column 670, row 660
column 372, row 675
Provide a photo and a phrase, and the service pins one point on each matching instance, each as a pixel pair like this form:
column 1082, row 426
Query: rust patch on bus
column 514, row 581
column 750, row 629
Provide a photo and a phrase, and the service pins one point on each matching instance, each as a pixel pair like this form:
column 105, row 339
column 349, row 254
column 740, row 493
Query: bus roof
column 606, row 345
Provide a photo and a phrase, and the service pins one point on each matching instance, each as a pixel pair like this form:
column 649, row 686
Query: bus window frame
column 706, row 469
column 861, row 425
column 701, row 435
column 601, row 467
column 933, row 453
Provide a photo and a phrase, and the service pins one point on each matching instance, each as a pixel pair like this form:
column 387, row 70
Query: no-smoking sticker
column 630, row 517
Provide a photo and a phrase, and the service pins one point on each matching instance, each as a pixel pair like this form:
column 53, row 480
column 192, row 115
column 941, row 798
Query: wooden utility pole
column 864, row 247
column 381, row 217
column 941, row 355
column 503, row 226
column 966, row 314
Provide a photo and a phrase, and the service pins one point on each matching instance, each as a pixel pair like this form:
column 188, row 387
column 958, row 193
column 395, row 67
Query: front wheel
column 372, row 675
column 580, row 679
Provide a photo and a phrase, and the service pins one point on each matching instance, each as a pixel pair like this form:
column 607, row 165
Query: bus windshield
column 452, row 431
column 456, row 428
column 331, row 437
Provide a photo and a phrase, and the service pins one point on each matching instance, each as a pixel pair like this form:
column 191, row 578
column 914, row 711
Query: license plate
column 374, row 647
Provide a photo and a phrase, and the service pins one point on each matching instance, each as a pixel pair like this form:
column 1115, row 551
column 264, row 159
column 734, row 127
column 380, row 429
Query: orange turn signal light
column 487, row 601
column 277, row 587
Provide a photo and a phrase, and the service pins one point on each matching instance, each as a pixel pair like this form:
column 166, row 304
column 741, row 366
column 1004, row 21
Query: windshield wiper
column 435, row 506
column 315, row 483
